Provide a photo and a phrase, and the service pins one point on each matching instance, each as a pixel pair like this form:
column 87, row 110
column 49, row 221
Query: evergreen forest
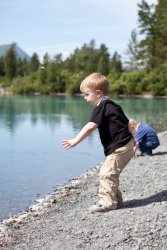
column 143, row 72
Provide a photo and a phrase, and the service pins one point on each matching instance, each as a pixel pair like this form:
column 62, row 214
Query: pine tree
column 103, row 60
column 147, row 45
column 160, row 26
column 132, row 52
column 10, row 63
column 115, row 63
column 34, row 63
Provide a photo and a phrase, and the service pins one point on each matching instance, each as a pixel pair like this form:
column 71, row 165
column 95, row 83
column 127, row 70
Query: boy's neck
column 103, row 98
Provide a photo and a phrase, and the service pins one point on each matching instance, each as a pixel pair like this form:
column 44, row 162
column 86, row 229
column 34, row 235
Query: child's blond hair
column 95, row 81
column 132, row 122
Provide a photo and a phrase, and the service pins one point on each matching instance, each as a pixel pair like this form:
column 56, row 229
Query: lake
column 33, row 162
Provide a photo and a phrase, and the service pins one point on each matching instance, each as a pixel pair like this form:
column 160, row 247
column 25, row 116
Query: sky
column 61, row 26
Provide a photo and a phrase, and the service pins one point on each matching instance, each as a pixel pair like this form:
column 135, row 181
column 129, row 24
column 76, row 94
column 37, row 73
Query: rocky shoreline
column 62, row 220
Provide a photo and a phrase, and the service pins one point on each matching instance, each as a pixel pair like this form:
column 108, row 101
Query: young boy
column 115, row 137
column 145, row 137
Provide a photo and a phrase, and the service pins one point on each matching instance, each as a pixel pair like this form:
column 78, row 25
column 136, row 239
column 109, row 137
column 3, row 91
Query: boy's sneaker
column 149, row 153
column 98, row 208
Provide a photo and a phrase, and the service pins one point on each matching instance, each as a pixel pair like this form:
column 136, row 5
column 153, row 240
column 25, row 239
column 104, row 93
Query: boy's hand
column 68, row 143
column 85, row 131
column 134, row 155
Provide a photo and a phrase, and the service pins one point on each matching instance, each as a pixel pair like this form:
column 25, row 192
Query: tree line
column 143, row 72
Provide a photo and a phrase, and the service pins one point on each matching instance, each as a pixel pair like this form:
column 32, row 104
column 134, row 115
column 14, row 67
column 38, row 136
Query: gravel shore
column 62, row 220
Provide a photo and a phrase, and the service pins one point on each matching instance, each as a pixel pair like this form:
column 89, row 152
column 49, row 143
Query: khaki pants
column 110, row 195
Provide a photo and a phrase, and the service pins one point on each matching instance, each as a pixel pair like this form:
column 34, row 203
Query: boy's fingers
column 66, row 144
column 63, row 141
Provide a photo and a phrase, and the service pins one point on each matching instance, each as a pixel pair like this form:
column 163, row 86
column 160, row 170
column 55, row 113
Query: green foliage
column 34, row 63
column 103, row 62
column 2, row 67
column 115, row 64
column 133, row 52
column 4, row 82
column 160, row 27
column 56, row 77
column 43, row 75
column 10, row 63
column 145, row 74
column 24, row 85
column 22, row 68
column 157, row 82
column 140, row 82
column 129, row 83
column 73, row 83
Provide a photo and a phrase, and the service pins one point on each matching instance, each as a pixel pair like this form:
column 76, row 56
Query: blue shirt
column 146, row 134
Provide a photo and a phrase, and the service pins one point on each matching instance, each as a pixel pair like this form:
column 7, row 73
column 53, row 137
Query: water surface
column 32, row 160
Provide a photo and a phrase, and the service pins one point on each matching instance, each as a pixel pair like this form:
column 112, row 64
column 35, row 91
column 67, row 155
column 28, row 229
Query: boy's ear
column 99, row 92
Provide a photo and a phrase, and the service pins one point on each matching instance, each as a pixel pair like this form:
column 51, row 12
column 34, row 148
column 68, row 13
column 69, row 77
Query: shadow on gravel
column 160, row 153
column 159, row 197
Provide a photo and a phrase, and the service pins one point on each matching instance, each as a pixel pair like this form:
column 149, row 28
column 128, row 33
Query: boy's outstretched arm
column 85, row 131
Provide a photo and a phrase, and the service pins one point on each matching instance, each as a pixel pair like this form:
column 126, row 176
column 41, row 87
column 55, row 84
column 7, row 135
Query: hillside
column 20, row 54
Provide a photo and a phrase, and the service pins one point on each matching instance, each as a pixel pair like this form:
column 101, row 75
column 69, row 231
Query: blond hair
column 132, row 122
column 95, row 81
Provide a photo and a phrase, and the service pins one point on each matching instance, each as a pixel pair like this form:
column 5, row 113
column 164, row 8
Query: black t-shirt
column 112, row 125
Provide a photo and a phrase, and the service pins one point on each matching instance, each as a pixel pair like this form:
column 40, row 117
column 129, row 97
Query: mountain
column 20, row 54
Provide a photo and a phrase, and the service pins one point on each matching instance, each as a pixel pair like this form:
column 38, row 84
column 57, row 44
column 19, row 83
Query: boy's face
column 92, row 97
column 132, row 129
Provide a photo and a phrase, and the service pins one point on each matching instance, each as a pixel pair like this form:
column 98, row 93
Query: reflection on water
column 49, row 110
column 32, row 161
column 151, row 111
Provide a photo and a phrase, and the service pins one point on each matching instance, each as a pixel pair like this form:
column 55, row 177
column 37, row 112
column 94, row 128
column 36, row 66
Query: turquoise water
column 32, row 160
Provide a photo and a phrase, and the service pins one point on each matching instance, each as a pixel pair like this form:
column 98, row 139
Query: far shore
column 8, row 92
